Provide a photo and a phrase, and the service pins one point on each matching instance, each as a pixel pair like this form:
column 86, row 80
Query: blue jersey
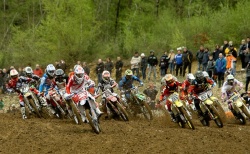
column 128, row 83
column 46, row 83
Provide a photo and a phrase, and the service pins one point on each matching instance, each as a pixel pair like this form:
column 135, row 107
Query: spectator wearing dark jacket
column 242, row 54
column 216, row 52
column 144, row 64
column 118, row 69
column 86, row 68
column 220, row 66
column 225, row 46
column 99, row 69
column 109, row 65
column 205, row 60
column 152, row 63
column 187, row 58
column 199, row 57
column 210, row 66
column 178, row 61
column 247, row 76
column 164, row 64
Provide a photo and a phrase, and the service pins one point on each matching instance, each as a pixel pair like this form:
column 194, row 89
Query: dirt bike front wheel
column 146, row 110
column 123, row 112
column 217, row 117
column 33, row 105
column 187, row 117
column 93, row 123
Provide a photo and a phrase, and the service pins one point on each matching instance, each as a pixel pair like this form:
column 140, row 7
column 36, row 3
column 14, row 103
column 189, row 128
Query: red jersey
column 197, row 88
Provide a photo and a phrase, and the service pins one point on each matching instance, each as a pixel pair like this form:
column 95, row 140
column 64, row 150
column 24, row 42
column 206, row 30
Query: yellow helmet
column 128, row 72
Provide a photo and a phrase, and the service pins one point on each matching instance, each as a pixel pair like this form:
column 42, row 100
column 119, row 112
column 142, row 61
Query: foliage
column 44, row 31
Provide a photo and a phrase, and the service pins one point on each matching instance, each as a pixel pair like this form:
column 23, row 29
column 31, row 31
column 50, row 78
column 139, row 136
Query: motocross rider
column 105, row 83
column 228, row 88
column 126, row 83
column 171, row 86
column 15, row 83
column 200, row 84
column 184, row 87
column 61, row 78
column 77, row 84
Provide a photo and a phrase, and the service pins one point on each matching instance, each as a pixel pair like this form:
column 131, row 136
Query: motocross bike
column 83, row 98
column 57, row 103
column 138, row 103
column 209, row 111
column 113, row 104
column 182, row 115
column 33, row 103
column 241, row 112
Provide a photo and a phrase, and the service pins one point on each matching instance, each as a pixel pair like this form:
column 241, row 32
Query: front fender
column 178, row 103
column 214, row 98
column 208, row 102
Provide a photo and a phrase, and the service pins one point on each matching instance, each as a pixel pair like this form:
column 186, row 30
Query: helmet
column 205, row 74
column 59, row 72
column 169, row 78
column 199, row 76
column 190, row 77
column 28, row 71
column 78, row 74
column 230, row 79
column 50, row 70
column 105, row 76
column 128, row 73
column 13, row 74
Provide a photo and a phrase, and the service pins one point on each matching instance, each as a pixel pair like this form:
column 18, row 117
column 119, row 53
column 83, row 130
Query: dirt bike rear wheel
column 76, row 112
column 46, row 113
column 123, row 112
column 217, row 119
column 94, row 125
column 33, row 105
column 187, row 117
column 146, row 110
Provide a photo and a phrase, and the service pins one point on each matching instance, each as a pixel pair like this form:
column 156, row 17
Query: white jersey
column 228, row 89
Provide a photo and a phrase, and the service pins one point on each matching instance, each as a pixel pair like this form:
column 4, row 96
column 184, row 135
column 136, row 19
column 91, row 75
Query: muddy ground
column 136, row 136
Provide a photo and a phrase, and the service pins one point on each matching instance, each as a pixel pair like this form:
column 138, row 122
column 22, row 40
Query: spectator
column 216, row 52
column 86, row 68
column 232, row 49
column 135, row 63
column 225, row 46
column 38, row 71
column 63, row 65
column 171, row 61
column 1, row 79
column 164, row 64
column 79, row 63
column 220, row 66
column 57, row 65
column 21, row 71
column 118, row 68
column 242, row 54
column 5, row 79
column 109, row 65
column 210, row 66
column 199, row 57
column 151, row 92
column 187, row 58
column 247, row 57
column 230, row 63
column 247, row 76
column 152, row 63
column 248, row 42
column 99, row 69
column 144, row 63
column 205, row 59
column 178, row 61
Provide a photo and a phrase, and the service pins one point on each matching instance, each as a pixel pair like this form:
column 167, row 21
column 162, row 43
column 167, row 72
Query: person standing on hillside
column 118, row 68
column 225, row 46
column 38, row 71
column 220, row 67
column 63, row 65
column 86, row 68
column 216, row 52
column 199, row 57
column 99, row 69
column 187, row 58
column 109, row 65
column 178, row 61
column 205, row 59
column 152, row 63
column 164, row 64
column 135, row 63
column 242, row 54
column 144, row 64
column 171, row 61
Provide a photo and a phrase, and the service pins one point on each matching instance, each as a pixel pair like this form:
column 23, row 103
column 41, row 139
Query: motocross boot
column 172, row 116
column 23, row 113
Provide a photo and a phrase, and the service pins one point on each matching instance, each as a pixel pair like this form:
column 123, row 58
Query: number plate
column 203, row 96
column 174, row 97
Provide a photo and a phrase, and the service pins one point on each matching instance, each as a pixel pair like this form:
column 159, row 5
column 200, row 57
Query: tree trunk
column 117, row 16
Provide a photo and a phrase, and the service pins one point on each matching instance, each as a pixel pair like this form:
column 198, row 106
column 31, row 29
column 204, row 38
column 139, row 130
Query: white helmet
column 13, row 73
column 50, row 70
column 78, row 74
column 205, row 74
column 28, row 70
column 230, row 79
column 190, row 77
column 106, row 76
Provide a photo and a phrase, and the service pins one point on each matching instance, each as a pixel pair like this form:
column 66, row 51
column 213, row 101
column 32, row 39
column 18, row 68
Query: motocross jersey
column 101, row 86
column 47, row 83
column 184, row 88
column 228, row 89
column 171, row 88
column 128, row 83
column 15, row 84
column 196, row 88
column 73, row 87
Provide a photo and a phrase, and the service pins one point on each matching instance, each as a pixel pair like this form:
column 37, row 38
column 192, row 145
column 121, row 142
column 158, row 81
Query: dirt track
column 137, row 136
